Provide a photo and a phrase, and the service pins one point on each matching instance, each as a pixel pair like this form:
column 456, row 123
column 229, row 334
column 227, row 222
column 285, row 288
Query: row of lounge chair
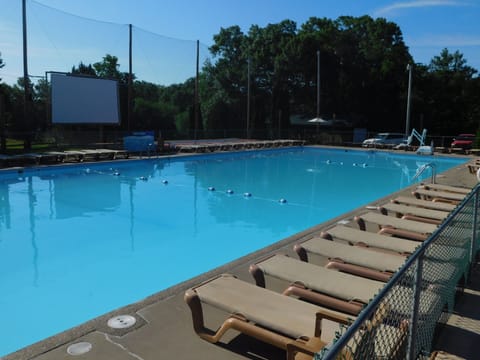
column 338, row 272
column 49, row 157
column 232, row 145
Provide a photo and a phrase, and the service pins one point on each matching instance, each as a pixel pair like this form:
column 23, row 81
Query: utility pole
column 318, row 85
column 26, row 83
column 318, row 93
column 409, row 94
column 196, row 101
column 130, row 79
column 248, row 97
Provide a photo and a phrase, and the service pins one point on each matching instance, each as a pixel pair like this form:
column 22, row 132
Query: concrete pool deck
column 164, row 325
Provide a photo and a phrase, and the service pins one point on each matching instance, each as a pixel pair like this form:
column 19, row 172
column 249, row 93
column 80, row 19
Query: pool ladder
column 424, row 167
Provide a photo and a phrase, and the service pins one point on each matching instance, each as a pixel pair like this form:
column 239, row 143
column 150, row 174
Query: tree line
column 271, row 72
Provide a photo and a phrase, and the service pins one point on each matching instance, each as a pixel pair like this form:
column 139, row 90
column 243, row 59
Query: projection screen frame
column 85, row 107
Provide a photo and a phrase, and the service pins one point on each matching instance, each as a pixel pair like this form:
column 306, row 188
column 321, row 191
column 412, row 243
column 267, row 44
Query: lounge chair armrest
column 328, row 315
column 295, row 347
column 301, row 252
column 360, row 222
column 195, row 305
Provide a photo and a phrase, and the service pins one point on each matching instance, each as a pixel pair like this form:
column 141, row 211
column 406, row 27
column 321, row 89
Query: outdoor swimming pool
column 79, row 241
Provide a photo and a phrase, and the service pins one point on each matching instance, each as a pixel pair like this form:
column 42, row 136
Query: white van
column 385, row 140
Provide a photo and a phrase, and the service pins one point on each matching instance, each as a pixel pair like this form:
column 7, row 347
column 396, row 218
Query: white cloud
column 391, row 9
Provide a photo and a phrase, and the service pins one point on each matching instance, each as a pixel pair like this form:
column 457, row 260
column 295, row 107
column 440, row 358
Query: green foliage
column 363, row 80
column 447, row 94
column 153, row 115
column 83, row 69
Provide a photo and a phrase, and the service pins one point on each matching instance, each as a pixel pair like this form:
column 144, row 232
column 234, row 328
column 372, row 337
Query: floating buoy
column 247, row 194
column 116, row 173
column 282, row 201
column 329, row 162
column 229, row 191
column 364, row 165
column 143, row 178
column 211, row 188
column 165, row 182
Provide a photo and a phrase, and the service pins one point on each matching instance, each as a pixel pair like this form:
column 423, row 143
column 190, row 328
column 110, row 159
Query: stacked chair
column 336, row 275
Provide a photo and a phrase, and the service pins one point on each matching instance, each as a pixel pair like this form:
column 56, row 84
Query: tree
column 83, row 69
column 451, row 63
column 452, row 94
column 109, row 68
column 363, row 63
column 226, row 81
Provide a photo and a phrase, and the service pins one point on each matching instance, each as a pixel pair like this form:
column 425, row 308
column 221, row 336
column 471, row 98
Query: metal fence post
column 474, row 229
column 415, row 309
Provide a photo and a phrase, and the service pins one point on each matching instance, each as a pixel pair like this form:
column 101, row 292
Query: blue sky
column 57, row 40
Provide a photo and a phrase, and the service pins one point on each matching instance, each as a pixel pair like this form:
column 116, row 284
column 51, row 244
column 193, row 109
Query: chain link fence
column 401, row 321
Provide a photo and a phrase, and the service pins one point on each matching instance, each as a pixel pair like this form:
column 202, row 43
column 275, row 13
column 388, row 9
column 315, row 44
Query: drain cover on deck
column 79, row 348
column 121, row 321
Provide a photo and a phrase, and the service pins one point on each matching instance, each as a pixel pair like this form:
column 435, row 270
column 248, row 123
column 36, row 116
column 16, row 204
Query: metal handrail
column 423, row 168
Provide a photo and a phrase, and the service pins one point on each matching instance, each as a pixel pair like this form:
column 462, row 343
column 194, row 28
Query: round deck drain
column 121, row 321
column 79, row 348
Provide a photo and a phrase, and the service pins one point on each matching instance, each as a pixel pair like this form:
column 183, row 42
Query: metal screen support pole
column 195, row 100
column 130, row 79
column 412, row 337
column 474, row 229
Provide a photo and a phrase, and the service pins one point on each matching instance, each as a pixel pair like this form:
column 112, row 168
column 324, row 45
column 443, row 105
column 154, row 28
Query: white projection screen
column 84, row 100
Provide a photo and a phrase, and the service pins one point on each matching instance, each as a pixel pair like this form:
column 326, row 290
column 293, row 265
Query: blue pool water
column 78, row 241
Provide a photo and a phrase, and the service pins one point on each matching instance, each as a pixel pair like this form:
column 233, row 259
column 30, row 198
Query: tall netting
column 163, row 60
column 62, row 42
column 401, row 321
column 58, row 41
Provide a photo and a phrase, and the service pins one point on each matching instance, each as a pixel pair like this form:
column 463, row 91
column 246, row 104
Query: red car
column 464, row 141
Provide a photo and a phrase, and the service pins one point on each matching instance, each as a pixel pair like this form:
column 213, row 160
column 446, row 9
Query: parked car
column 464, row 141
column 385, row 140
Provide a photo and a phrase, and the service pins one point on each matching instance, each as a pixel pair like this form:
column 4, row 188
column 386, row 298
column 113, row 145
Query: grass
column 16, row 146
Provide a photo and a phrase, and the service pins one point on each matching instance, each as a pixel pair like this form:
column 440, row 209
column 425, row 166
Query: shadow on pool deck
column 164, row 325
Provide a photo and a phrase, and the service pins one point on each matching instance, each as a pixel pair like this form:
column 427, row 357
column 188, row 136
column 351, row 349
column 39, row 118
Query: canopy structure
column 320, row 121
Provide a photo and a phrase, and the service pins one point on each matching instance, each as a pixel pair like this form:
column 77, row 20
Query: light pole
column 409, row 94
column 26, row 81
column 248, row 97
column 318, row 84
column 318, row 91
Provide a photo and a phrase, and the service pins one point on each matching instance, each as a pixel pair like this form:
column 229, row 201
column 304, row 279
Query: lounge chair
column 414, row 213
column 111, row 154
column 473, row 168
column 284, row 322
column 351, row 259
column 443, row 355
column 74, row 155
column 447, row 188
column 339, row 291
column 430, row 302
column 427, row 204
column 300, row 328
column 368, row 239
column 435, row 195
column 410, row 229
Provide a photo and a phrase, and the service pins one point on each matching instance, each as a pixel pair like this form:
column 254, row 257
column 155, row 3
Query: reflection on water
column 72, row 238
